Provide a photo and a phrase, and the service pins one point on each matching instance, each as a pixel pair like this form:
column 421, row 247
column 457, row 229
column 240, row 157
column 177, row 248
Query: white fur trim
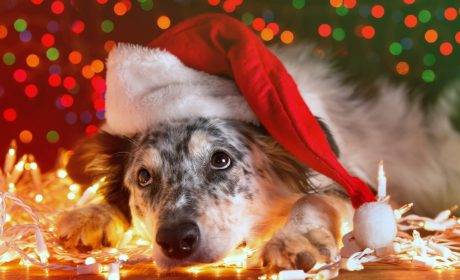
column 374, row 225
column 146, row 86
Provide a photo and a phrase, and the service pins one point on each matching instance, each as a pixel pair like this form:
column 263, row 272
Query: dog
column 202, row 187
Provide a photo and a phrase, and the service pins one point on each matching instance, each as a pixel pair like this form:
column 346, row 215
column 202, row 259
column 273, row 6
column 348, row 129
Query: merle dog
column 204, row 186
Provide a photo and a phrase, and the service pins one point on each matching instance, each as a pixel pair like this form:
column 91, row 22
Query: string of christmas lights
column 28, row 200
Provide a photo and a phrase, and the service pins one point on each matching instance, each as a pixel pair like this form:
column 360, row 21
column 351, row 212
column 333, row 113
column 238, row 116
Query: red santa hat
column 214, row 66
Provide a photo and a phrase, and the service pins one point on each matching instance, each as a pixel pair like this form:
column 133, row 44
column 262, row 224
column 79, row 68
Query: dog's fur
column 266, row 198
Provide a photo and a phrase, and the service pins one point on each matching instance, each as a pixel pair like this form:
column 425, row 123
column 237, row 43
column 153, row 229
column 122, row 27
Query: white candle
column 382, row 182
column 10, row 158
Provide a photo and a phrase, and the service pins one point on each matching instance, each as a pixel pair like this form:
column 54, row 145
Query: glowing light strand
column 34, row 243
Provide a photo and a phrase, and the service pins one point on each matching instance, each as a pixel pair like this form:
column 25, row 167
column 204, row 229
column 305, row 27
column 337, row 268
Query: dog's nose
column 178, row 241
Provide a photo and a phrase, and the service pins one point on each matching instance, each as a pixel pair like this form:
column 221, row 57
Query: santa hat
column 214, row 66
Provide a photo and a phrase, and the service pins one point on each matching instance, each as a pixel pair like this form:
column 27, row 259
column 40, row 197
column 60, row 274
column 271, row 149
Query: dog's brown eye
column 144, row 178
column 220, row 161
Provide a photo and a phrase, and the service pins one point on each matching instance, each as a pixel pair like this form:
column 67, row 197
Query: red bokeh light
column 446, row 48
column 57, row 7
column 274, row 27
column 258, row 24
column 324, row 30
column 91, row 129
column 378, row 11
column 20, row 75
column 78, row 27
column 69, row 83
column 66, row 100
column 368, row 32
column 450, row 13
column 214, row 2
column 410, row 21
column 31, row 90
column 47, row 40
column 9, row 115
column 54, row 80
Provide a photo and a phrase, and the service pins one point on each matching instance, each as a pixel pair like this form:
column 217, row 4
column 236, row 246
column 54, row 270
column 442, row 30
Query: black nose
column 178, row 241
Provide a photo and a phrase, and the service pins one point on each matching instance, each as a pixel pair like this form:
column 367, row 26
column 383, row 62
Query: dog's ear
column 281, row 163
column 103, row 155
column 286, row 167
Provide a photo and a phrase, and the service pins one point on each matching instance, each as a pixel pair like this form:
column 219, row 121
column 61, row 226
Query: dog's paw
column 292, row 249
column 90, row 227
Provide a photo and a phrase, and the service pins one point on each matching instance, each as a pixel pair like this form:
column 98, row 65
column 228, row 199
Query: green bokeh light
column 298, row 4
column 247, row 18
column 342, row 10
column 52, row 54
column 338, row 34
column 107, row 26
column 428, row 75
column 52, row 136
column 146, row 5
column 9, row 58
column 424, row 16
column 395, row 48
column 20, row 25
column 429, row 59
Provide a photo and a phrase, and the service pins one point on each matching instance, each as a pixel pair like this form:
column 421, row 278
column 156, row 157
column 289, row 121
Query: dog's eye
column 144, row 178
column 220, row 161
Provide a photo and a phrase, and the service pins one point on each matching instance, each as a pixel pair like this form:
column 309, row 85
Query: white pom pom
column 374, row 225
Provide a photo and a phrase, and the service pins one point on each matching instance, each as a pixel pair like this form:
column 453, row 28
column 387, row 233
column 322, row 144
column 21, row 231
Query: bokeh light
column 25, row 136
column 10, row 115
column 378, row 11
column 57, row 7
column 324, row 30
column 402, row 68
column 163, row 22
column 446, row 48
column 33, row 60
column 287, row 37
column 431, row 35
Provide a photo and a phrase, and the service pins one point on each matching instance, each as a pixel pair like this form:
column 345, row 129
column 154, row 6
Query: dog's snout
column 178, row 241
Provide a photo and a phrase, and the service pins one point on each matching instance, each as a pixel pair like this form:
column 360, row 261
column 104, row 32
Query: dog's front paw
column 90, row 227
column 292, row 249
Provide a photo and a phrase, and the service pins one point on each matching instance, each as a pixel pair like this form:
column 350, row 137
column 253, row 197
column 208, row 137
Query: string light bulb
column 382, row 182
column 10, row 158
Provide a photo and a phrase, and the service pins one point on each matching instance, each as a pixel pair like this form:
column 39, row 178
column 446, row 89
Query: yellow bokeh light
column 97, row 66
column 32, row 60
column 287, row 37
column 163, row 22
column 336, row 3
column 266, row 34
column 87, row 72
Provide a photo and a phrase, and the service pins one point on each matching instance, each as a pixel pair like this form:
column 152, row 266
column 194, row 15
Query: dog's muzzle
column 179, row 240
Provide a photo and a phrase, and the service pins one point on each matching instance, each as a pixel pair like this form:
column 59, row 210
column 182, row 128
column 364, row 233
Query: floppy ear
column 103, row 155
column 286, row 167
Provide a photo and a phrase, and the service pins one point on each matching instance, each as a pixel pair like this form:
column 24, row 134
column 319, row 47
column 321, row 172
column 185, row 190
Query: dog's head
column 201, row 187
